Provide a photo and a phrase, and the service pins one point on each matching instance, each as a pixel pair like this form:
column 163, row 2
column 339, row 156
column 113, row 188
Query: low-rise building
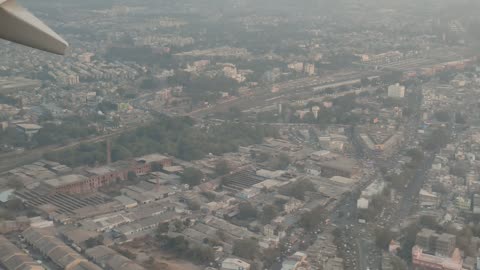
column 28, row 129
column 234, row 264
column 126, row 201
column 110, row 259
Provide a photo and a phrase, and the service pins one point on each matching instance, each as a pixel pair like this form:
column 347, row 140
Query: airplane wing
column 20, row 26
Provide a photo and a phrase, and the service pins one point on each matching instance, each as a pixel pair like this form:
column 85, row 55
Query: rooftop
column 151, row 158
column 344, row 164
column 66, row 180
column 29, row 126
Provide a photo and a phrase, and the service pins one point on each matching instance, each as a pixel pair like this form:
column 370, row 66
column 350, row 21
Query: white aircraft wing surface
column 20, row 26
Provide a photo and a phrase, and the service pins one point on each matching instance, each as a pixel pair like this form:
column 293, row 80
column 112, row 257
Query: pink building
column 423, row 261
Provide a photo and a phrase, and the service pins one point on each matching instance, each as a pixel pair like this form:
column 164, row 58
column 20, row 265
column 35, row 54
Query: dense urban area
column 243, row 135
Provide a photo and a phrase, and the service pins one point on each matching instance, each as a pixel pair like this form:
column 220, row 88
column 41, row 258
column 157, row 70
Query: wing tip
column 24, row 28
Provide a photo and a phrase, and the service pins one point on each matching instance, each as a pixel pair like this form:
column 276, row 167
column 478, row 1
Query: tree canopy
column 246, row 211
column 245, row 248
column 192, row 176
column 298, row 189
column 174, row 136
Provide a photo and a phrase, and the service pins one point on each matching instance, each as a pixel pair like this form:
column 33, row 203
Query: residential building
column 425, row 239
column 445, row 244
column 373, row 189
column 428, row 199
column 309, row 69
column 297, row 66
column 463, row 203
column 431, row 242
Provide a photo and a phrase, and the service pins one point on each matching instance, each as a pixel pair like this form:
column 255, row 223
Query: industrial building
column 93, row 178
column 12, row 258
column 50, row 246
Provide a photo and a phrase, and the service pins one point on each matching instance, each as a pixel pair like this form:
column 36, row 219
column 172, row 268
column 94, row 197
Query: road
column 359, row 250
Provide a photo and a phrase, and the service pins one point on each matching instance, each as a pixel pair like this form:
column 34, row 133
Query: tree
column 211, row 196
column 409, row 238
column 201, row 253
column 107, row 106
column 149, row 84
column 460, row 118
column 429, row 222
column 442, row 116
column 156, row 167
column 392, row 77
column 270, row 256
column 162, row 228
column 246, row 211
column 397, row 263
column 365, row 81
column 193, row 205
column 398, row 181
column 439, row 188
column 192, row 176
column 269, row 212
column 94, row 241
column 234, row 113
column 311, row 220
column 298, row 189
column 459, row 169
column 383, row 237
column 222, row 168
column 416, row 155
column 131, row 176
column 438, row 139
column 245, row 248
column 15, row 183
column 14, row 205
column 309, row 117
column 280, row 162
column 127, row 253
